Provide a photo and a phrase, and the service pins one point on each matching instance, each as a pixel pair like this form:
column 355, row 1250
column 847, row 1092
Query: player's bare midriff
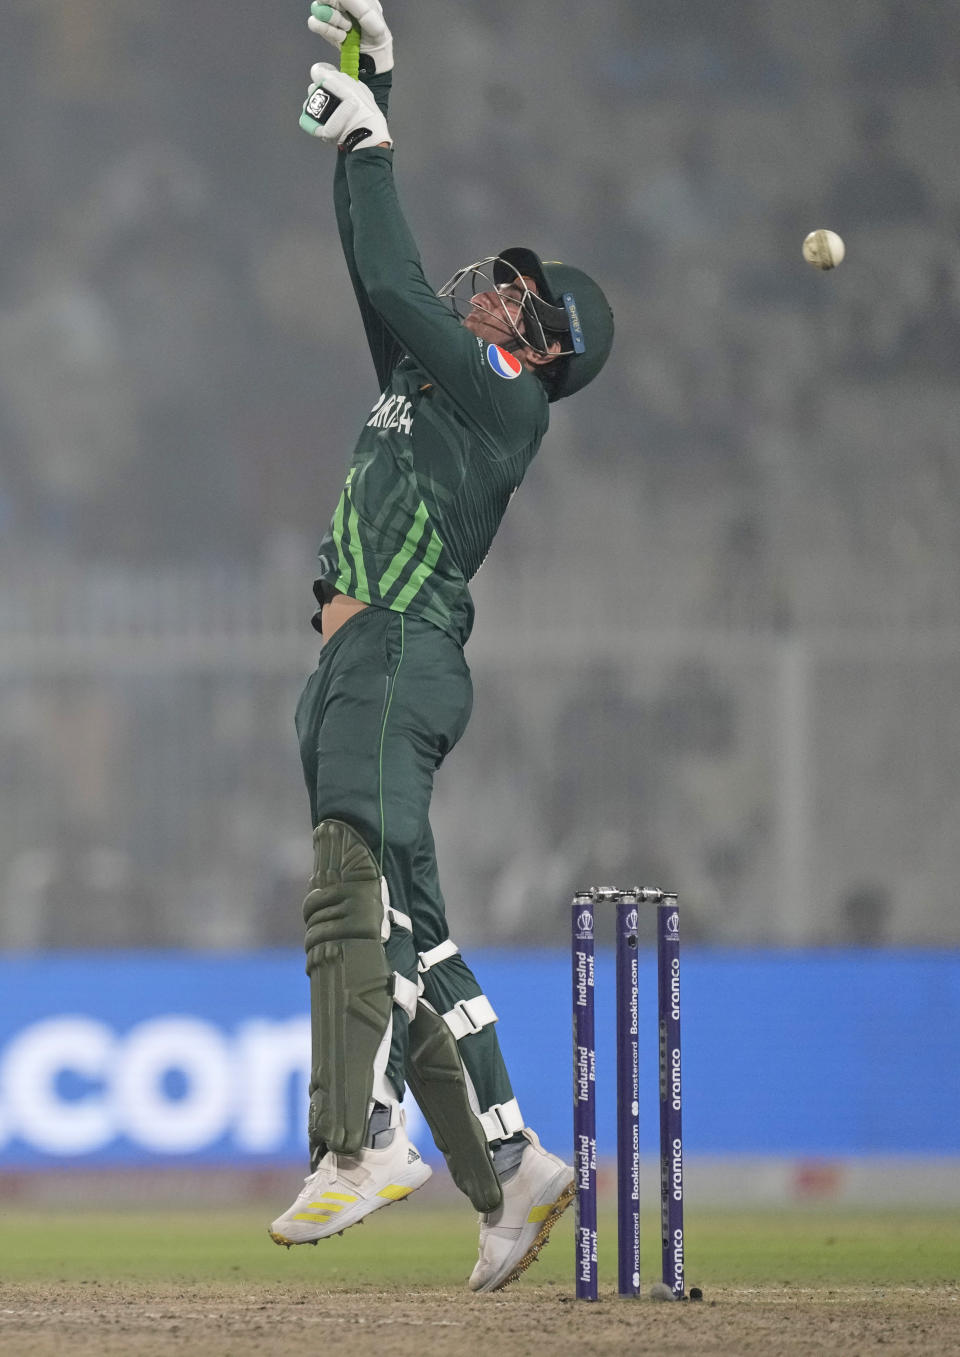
column 339, row 610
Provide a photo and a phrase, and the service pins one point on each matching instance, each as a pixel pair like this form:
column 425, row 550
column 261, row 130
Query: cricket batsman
column 466, row 378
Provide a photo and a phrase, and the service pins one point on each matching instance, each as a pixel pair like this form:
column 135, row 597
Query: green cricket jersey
column 447, row 442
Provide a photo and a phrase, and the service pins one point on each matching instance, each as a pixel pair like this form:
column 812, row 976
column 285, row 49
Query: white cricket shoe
column 534, row 1198
column 346, row 1188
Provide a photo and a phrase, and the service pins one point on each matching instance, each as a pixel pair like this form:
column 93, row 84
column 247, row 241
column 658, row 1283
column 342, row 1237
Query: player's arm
column 333, row 23
column 388, row 276
column 384, row 349
column 388, row 263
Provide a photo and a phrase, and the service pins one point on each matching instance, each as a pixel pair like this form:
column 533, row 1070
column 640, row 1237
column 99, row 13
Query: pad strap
column 392, row 918
column 502, row 1120
column 405, row 994
column 441, row 952
column 470, row 1015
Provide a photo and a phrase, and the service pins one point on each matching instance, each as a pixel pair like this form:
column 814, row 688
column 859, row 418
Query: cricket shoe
column 345, row 1188
column 536, row 1192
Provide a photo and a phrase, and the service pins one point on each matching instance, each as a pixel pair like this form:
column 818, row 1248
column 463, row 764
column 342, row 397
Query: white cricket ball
column 823, row 249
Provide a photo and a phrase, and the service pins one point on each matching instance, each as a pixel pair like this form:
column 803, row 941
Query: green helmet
column 570, row 306
column 567, row 306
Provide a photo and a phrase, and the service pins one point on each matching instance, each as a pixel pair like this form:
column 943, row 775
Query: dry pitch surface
column 141, row 1319
column 163, row 1283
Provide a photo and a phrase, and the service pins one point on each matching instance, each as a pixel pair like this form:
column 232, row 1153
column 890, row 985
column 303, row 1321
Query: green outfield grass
column 405, row 1246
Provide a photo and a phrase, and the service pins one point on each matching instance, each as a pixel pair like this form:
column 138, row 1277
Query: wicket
column 628, row 1088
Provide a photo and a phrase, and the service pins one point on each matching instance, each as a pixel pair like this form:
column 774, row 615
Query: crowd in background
column 771, row 455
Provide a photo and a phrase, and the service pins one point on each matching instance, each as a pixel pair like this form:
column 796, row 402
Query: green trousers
column 389, row 699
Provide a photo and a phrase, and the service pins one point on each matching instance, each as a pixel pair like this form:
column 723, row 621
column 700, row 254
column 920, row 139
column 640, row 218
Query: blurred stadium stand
column 718, row 641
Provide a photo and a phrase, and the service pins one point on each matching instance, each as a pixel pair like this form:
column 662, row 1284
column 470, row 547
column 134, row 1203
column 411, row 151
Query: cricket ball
column 823, row 249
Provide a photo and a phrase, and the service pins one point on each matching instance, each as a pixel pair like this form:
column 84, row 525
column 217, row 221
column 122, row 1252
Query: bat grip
column 350, row 53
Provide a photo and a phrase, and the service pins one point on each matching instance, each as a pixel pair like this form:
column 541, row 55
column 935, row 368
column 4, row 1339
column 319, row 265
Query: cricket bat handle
column 350, row 53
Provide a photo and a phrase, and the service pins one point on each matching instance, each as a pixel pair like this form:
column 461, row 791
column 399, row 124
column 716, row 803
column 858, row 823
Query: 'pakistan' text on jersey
column 448, row 442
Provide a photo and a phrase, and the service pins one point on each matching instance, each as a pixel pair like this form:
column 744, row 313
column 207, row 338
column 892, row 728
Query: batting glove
column 334, row 22
column 340, row 110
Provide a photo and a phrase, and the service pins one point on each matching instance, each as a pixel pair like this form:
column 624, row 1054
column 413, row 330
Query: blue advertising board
column 127, row 1058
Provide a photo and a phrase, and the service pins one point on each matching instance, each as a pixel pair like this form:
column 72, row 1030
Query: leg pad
column 351, row 987
column 437, row 1080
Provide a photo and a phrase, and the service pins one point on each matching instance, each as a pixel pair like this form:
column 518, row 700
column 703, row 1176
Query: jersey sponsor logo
column 503, row 363
column 392, row 412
